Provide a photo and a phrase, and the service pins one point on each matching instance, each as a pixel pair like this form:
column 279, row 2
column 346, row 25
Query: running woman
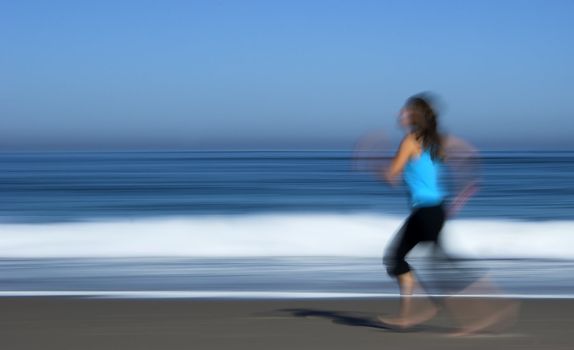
column 420, row 160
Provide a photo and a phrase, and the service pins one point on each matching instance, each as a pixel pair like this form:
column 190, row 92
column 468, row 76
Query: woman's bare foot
column 499, row 319
column 414, row 309
column 421, row 315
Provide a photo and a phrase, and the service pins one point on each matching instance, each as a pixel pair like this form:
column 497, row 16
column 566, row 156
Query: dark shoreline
column 80, row 323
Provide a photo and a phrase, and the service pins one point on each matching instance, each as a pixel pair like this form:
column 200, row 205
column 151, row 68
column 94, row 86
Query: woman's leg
column 473, row 315
column 413, row 311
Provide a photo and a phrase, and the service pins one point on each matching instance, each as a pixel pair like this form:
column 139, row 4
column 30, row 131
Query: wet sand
column 78, row 324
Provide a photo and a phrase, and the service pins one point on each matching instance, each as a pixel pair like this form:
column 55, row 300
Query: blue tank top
column 422, row 176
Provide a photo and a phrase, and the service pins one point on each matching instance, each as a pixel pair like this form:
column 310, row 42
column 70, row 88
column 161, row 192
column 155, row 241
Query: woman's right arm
column 404, row 153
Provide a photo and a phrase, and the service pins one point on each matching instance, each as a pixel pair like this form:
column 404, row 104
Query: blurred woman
column 419, row 159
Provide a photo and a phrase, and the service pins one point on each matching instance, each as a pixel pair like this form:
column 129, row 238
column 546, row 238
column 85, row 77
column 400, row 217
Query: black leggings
column 423, row 225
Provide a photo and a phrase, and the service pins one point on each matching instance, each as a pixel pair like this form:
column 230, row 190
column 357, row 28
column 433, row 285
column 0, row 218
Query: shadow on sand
column 358, row 320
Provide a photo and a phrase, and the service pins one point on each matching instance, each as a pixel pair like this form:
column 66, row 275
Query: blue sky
column 280, row 74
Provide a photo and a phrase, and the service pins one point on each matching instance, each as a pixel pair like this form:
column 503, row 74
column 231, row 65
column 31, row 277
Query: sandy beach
column 70, row 323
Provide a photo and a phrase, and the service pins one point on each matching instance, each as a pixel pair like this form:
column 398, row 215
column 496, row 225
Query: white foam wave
column 352, row 235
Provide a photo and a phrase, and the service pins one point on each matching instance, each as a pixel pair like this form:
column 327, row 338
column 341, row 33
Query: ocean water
column 265, row 224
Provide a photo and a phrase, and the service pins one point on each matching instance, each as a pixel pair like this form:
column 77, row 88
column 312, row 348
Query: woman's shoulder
column 410, row 139
column 411, row 142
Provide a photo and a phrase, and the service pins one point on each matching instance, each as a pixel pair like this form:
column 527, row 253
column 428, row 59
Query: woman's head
column 420, row 117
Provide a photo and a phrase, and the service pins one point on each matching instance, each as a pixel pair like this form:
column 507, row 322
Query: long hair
column 424, row 124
